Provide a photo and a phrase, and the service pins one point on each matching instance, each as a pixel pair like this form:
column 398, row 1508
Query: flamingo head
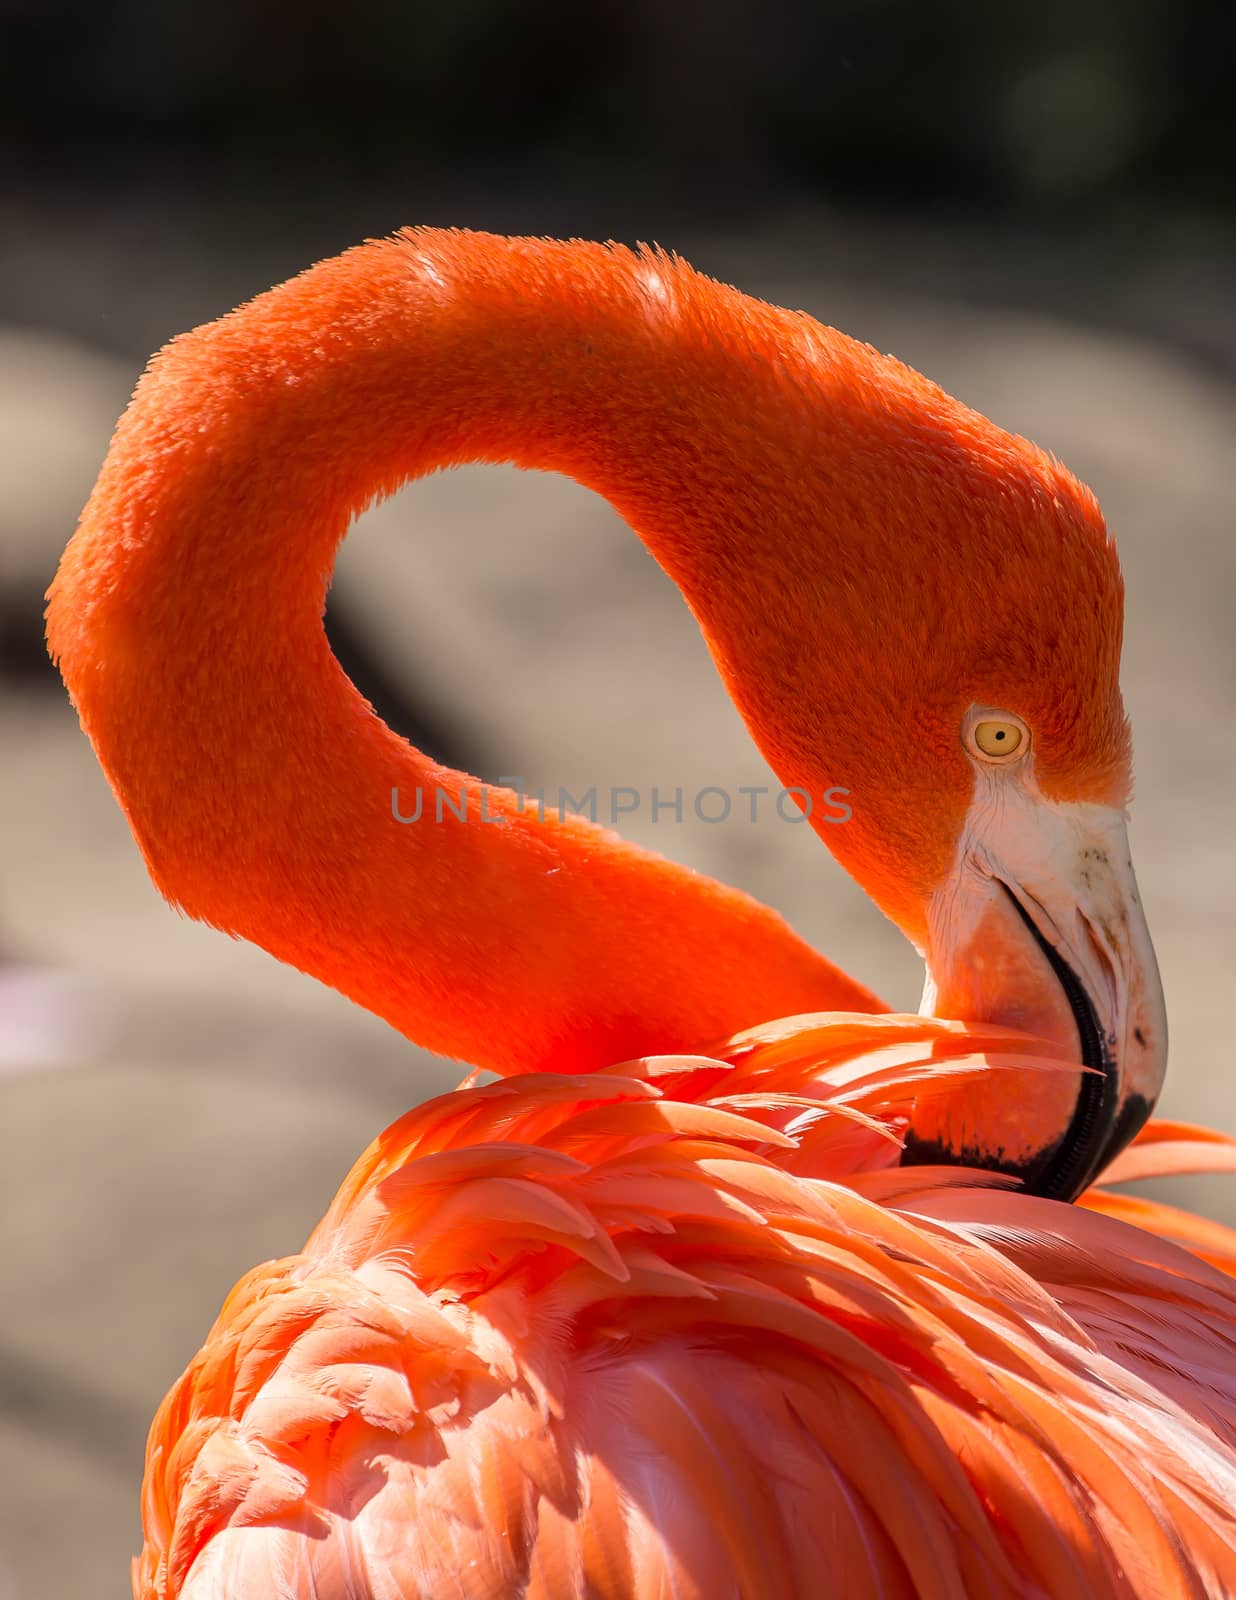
column 924, row 639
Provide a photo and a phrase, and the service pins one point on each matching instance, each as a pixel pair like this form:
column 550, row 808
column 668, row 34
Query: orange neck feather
column 858, row 548
column 187, row 620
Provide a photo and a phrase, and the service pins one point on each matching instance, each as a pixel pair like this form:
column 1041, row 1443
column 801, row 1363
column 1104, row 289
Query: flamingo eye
column 998, row 738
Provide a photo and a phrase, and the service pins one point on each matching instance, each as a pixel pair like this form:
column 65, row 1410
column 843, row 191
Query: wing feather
column 684, row 1329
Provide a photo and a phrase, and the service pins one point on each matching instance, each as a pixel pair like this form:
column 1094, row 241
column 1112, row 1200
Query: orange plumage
column 687, row 1325
column 686, row 1328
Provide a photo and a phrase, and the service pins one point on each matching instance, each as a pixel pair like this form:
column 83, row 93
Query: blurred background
column 1033, row 203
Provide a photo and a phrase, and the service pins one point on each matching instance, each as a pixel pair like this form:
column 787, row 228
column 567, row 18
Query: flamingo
column 732, row 1283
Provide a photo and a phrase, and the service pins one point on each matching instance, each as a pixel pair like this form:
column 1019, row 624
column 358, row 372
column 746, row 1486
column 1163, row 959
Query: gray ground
column 177, row 1106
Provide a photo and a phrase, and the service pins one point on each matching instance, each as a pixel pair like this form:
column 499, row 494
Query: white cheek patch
column 1070, row 870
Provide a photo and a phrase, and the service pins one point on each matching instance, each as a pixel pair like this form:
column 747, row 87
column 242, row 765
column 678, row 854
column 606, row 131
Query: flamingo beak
column 1041, row 928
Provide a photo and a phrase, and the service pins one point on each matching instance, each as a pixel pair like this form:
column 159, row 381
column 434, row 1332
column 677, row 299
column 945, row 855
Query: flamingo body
column 695, row 1325
column 686, row 1329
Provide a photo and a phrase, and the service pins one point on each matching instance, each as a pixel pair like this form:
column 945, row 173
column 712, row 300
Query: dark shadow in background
column 703, row 107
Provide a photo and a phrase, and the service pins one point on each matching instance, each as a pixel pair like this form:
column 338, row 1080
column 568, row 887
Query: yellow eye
column 996, row 738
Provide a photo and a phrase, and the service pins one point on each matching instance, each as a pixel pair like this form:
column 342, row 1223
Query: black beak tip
column 1100, row 1126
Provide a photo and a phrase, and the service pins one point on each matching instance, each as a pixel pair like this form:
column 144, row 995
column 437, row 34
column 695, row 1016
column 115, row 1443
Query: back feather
column 685, row 1328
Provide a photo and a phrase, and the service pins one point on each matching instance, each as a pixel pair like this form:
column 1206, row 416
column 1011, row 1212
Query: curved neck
column 188, row 623
column 187, row 620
